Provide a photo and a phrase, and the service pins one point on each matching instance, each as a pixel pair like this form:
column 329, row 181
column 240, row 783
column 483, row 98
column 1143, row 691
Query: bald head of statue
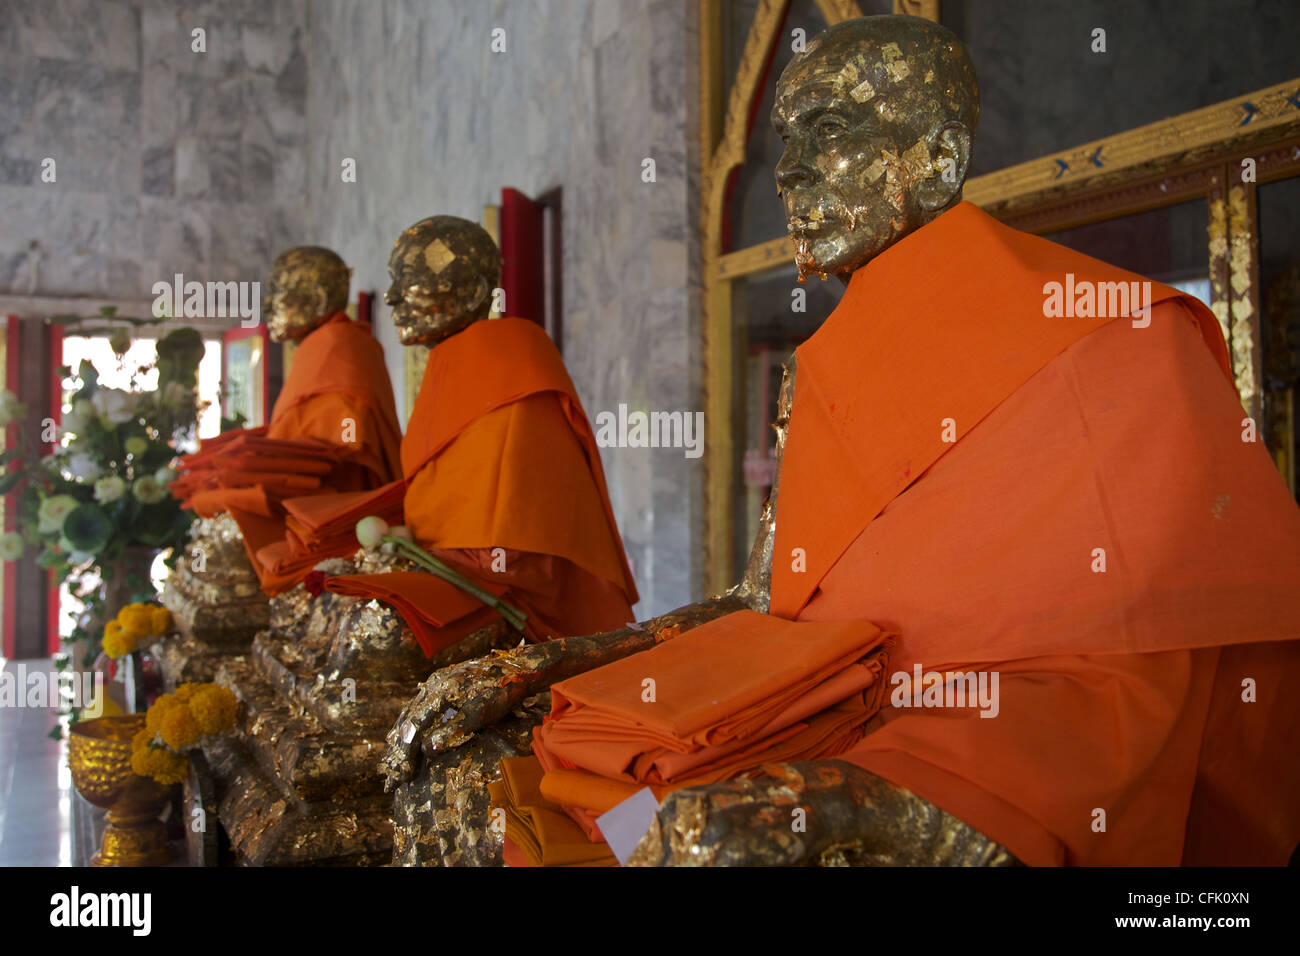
column 878, row 116
column 308, row 284
column 444, row 269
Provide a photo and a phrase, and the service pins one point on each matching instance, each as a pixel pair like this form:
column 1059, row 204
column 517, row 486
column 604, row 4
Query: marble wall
column 584, row 92
column 170, row 160
column 166, row 160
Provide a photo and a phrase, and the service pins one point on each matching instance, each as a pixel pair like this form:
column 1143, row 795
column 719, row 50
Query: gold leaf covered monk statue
column 497, row 423
column 333, row 427
column 982, row 479
column 496, row 427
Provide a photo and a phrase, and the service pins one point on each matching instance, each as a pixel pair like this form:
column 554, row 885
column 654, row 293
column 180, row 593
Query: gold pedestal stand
column 99, row 755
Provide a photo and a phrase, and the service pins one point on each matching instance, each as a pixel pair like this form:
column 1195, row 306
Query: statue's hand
column 824, row 812
column 456, row 702
column 783, row 816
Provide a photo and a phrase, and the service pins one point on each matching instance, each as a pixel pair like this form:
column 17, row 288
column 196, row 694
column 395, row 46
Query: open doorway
column 120, row 372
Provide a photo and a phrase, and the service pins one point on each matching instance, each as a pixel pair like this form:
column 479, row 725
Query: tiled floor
column 35, row 787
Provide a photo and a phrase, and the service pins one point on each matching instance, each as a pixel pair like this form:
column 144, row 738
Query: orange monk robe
column 1099, row 536
column 334, row 426
column 503, row 481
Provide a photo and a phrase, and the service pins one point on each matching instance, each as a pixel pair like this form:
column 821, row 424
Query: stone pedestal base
column 298, row 779
column 270, row 828
column 216, row 604
column 185, row 659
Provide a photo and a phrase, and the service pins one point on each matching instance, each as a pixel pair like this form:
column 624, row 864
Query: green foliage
column 88, row 528
column 112, row 439
column 179, row 355
column 89, row 376
column 240, row 420
column 160, row 524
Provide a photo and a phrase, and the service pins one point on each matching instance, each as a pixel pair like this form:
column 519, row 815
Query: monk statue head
column 444, row 270
column 878, row 115
column 308, row 284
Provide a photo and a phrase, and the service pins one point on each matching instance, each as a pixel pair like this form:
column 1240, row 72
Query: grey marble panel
column 167, row 159
column 584, row 92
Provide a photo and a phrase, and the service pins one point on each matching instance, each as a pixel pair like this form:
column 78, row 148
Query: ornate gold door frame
column 722, row 149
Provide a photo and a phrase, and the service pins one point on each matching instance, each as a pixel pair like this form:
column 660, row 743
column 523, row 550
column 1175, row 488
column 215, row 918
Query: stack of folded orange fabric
column 323, row 526
column 723, row 699
column 538, row 833
column 245, row 469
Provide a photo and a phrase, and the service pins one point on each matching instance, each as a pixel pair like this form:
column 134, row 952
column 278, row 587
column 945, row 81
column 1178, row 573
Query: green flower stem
column 514, row 617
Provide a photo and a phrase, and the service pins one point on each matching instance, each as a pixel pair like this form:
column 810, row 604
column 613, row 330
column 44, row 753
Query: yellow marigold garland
column 132, row 624
column 160, row 621
column 179, row 729
column 117, row 641
column 174, row 723
column 213, row 708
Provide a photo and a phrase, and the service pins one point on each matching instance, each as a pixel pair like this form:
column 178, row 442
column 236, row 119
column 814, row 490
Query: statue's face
column 306, row 286
column 443, row 274
column 290, row 313
column 858, row 150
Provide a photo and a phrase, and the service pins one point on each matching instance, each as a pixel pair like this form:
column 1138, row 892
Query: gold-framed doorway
column 1191, row 155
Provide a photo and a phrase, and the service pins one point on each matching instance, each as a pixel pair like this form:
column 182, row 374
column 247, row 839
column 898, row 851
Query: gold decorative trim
column 1217, row 231
column 1211, row 126
column 716, row 298
column 753, row 259
column 1243, row 286
column 918, row 8
column 836, row 11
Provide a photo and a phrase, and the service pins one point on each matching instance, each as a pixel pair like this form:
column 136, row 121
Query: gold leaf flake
column 438, row 255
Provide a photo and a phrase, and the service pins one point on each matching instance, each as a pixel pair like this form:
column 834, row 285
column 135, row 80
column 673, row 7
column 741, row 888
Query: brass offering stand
column 99, row 755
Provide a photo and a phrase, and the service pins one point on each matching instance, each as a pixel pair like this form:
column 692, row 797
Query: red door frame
column 55, row 411
column 19, row 379
column 10, row 597
column 236, row 335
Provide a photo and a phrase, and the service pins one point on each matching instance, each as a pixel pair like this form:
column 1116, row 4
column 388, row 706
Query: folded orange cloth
column 728, row 696
column 510, row 852
column 211, row 501
column 291, row 456
column 276, row 483
column 537, row 828
column 588, row 791
column 293, row 545
column 321, row 520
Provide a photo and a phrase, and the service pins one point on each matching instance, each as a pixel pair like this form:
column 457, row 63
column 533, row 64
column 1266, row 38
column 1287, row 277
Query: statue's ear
column 480, row 297
column 950, row 148
column 320, row 299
